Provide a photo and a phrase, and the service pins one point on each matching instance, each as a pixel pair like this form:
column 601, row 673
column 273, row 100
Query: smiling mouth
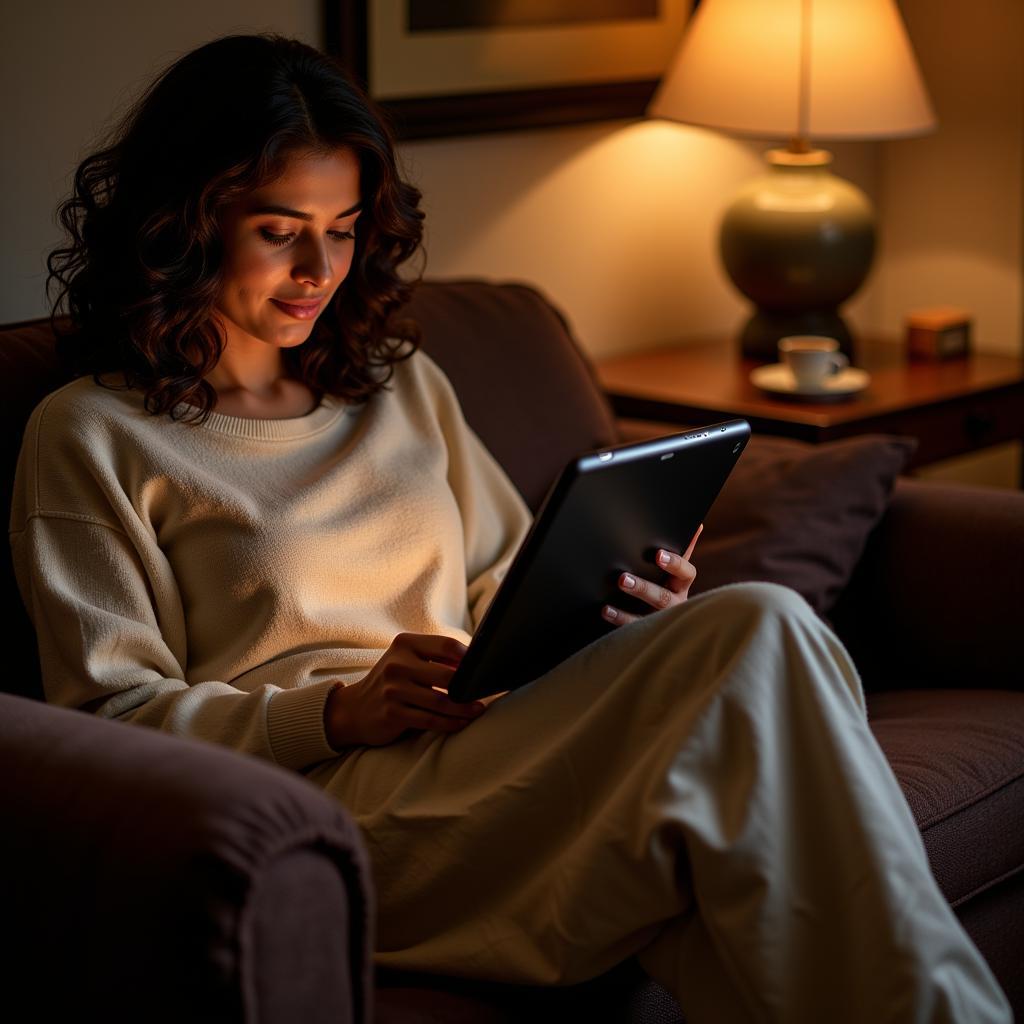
column 299, row 311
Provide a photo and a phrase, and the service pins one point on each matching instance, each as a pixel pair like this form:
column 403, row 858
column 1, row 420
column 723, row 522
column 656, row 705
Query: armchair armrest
column 152, row 877
column 937, row 599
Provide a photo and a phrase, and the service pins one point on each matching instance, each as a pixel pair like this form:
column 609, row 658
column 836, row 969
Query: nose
column 312, row 264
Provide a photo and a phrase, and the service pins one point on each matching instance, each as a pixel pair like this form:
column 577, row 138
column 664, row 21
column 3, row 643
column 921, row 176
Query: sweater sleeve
column 110, row 628
column 495, row 518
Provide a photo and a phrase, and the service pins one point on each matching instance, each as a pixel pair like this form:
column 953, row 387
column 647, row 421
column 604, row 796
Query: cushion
column 799, row 514
column 959, row 758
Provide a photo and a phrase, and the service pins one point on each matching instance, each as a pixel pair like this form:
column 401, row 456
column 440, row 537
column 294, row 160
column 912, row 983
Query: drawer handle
column 978, row 424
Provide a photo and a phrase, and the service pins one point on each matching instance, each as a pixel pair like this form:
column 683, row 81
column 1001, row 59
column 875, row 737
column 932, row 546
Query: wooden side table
column 953, row 407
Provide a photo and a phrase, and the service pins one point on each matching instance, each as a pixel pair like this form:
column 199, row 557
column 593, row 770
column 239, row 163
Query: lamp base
column 797, row 242
column 760, row 337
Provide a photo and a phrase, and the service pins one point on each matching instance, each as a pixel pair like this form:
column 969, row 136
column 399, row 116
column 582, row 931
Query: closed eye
column 338, row 236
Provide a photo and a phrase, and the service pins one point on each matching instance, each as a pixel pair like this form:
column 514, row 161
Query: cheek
column 251, row 272
column 345, row 263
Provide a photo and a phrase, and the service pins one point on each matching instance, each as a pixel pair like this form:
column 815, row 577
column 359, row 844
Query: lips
column 300, row 310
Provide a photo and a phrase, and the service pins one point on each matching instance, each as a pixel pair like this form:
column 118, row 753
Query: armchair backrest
column 525, row 386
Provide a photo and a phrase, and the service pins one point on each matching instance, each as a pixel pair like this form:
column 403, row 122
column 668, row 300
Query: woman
column 257, row 518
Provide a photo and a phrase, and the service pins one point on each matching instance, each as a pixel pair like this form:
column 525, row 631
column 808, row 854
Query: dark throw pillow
column 799, row 514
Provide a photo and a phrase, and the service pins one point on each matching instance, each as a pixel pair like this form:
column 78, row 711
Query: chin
column 288, row 337
column 296, row 342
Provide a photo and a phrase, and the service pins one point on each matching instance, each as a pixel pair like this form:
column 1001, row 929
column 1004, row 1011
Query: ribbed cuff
column 295, row 724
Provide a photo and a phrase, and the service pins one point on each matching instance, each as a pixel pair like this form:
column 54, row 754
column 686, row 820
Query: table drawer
column 957, row 427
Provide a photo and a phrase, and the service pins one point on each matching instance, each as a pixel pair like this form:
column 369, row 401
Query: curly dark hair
column 143, row 270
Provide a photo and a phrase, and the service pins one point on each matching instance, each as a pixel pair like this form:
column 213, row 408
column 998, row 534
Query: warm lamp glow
column 831, row 69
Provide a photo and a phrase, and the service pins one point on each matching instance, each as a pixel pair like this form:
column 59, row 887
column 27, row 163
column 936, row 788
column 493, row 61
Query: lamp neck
column 803, row 157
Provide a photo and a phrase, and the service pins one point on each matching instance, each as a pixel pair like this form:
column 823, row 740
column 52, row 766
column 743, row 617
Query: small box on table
column 942, row 332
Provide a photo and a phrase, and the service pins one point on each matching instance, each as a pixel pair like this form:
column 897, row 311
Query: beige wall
column 952, row 202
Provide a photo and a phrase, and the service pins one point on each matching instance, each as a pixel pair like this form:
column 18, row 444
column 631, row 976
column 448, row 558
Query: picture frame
column 425, row 108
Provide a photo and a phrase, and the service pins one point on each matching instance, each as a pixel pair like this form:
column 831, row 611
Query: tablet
column 607, row 513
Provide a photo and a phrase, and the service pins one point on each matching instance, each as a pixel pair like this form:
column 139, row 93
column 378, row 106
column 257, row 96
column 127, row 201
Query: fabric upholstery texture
column 799, row 514
column 994, row 921
column 292, row 927
column 959, row 757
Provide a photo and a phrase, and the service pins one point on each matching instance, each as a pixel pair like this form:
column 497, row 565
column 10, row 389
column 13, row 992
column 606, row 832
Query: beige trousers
column 700, row 788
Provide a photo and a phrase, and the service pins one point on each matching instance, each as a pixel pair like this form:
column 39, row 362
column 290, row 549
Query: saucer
column 779, row 380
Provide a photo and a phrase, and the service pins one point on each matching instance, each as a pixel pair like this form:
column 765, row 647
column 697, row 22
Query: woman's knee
column 728, row 616
column 757, row 597
column 759, row 610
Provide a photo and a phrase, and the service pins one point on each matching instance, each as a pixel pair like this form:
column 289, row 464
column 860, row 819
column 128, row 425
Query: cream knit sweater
column 215, row 581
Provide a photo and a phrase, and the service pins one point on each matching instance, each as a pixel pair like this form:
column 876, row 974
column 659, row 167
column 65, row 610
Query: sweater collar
column 329, row 410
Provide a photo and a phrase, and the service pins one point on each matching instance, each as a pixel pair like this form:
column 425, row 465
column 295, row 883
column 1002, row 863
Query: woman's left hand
column 681, row 572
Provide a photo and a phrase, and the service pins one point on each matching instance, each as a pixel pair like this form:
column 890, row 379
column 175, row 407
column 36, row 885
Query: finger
column 616, row 616
column 648, row 592
column 693, row 543
column 427, row 646
column 421, row 684
column 682, row 572
column 435, row 698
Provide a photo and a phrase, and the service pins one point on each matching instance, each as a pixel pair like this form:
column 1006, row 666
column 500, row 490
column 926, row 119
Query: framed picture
column 461, row 67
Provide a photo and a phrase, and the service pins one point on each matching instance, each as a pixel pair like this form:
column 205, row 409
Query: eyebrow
column 284, row 211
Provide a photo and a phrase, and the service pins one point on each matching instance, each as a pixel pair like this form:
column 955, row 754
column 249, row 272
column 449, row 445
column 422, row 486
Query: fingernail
column 628, row 582
column 663, row 558
column 610, row 613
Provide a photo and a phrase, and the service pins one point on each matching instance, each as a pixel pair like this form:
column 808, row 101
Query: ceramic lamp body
column 797, row 241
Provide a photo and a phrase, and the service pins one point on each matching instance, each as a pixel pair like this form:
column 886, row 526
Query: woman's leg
column 814, row 900
column 700, row 787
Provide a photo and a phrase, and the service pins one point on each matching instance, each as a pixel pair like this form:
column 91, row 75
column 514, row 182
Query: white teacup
column 812, row 359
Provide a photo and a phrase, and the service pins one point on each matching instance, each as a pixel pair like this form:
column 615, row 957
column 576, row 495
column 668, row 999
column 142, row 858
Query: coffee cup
column 812, row 359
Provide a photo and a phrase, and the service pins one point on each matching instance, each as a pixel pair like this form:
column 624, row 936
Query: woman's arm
column 106, row 605
column 96, row 602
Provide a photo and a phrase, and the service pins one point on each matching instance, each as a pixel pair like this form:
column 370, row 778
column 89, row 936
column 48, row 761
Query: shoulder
column 419, row 395
column 85, row 423
column 70, row 452
column 421, row 374
column 82, row 404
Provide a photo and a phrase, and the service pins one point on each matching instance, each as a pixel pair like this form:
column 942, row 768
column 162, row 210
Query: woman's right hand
column 397, row 695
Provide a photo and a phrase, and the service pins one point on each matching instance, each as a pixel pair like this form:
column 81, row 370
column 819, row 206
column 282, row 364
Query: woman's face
column 287, row 247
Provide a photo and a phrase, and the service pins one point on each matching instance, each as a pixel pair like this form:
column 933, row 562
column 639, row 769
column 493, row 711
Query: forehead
column 312, row 180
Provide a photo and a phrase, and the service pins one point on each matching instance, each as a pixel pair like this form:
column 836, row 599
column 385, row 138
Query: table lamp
column 798, row 241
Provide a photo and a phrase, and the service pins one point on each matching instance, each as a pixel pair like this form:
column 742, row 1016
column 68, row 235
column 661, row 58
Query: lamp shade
column 830, row 69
